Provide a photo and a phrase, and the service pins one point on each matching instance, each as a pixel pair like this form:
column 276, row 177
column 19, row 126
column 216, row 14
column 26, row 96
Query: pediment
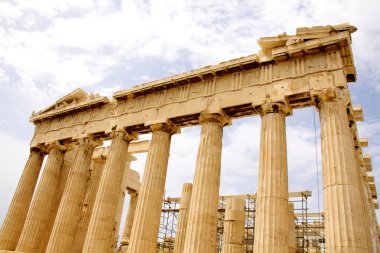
column 74, row 101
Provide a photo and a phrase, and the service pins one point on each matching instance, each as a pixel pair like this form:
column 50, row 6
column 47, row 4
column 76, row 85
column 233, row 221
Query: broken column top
column 304, row 34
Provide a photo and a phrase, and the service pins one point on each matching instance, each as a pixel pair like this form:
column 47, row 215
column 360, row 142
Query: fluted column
column 88, row 204
column 102, row 223
column 129, row 221
column 344, row 221
column 39, row 211
column 271, row 223
column 63, row 175
column 147, row 218
column 372, row 234
column 127, row 173
column 183, row 218
column 68, row 214
column 371, row 214
column 292, row 229
column 372, row 247
column 14, row 221
column 67, row 165
column 234, row 226
column 202, row 225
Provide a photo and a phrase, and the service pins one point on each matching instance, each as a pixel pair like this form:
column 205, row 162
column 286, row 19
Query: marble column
column 129, row 221
column 374, row 243
column 88, row 204
column 68, row 215
column 183, row 218
column 64, row 174
column 39, row 211
column 148, row 211
column 344, row 219
column 14, row 221
column 366, row 208
column 234, row 226
column 271, row 224
column 127, row 177
column 292, row 228
column 371, row 214
column 102, row 223
column 202, row 225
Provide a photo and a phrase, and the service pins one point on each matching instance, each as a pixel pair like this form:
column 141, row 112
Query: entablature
column 307, row 41
column 232, row 87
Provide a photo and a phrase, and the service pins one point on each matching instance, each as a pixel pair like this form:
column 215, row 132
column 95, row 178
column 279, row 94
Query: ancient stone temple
column 77, row 203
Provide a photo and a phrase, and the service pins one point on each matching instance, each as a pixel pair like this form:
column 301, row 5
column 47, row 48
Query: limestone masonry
column 77, row 204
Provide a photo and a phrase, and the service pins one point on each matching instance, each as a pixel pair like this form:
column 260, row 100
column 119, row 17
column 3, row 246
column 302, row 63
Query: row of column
column 50, row 219
column 56, row 219
column 25, row 226
column 273, row 232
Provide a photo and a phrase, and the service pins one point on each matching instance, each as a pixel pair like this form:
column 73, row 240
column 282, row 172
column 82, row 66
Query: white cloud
column 9, row 12
column 71, row 50
column 3, row 76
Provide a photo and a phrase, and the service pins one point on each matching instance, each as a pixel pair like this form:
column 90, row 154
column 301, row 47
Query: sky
column 50, row 48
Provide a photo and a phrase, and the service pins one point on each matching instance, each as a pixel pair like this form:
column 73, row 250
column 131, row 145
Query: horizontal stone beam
column 133, row 148
column 249, row 196
column 231, row 86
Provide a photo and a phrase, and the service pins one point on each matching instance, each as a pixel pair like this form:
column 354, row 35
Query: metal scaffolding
column 168, row 225
column 250, row 213
column 309, row 226
column 221, row 217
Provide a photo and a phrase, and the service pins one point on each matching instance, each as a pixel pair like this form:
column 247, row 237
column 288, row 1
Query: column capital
column 220, row 118
column 324, row 95
column 89, row 141
column 39, row 149
column 124, row 135
column 280, row 106
column 56, row 145
column 167, row 127
column 330, row 95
